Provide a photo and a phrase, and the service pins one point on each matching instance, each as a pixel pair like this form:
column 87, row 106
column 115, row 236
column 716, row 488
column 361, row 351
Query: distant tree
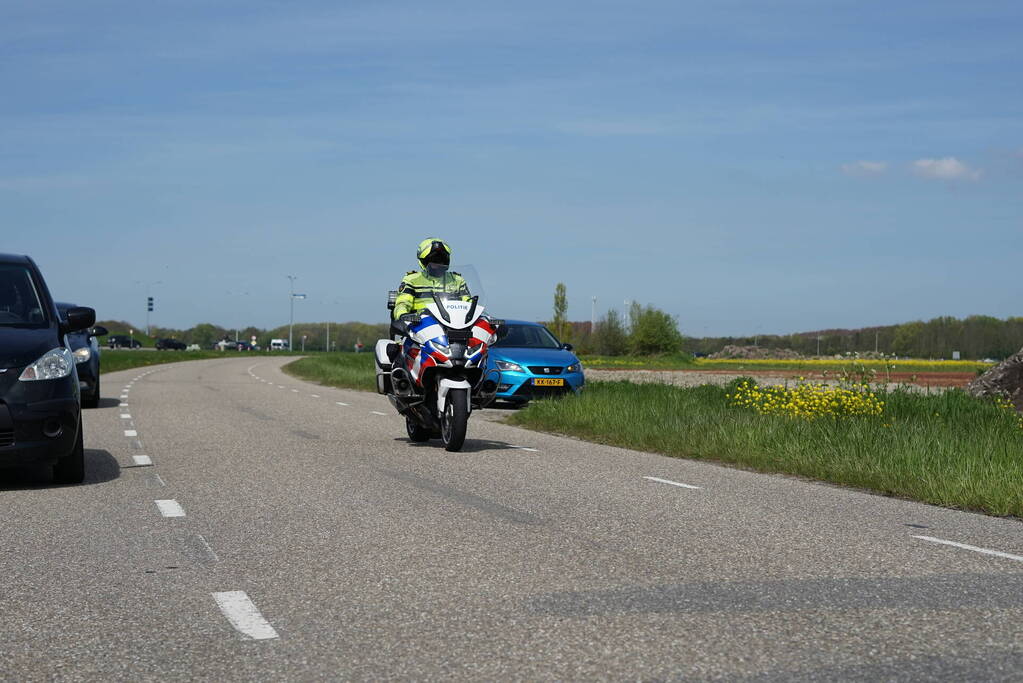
column 559, row 324
column 610, row 337
column 652, row 331
column 204, row 334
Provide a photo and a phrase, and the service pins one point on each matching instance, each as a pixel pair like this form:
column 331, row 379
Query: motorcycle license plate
column 548, row 382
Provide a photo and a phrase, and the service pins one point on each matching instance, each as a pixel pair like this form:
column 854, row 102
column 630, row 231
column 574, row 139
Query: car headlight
column 54, row 364
column 510, row 367
column 82, row 355
column 576, row 367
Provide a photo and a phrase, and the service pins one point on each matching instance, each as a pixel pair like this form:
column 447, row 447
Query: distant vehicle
column 278, row 344
column 170, row 345
column 85, row 349
column 225, row 345
column 243, row 346
column 533, row 363
column 40, row 398
column 123, row 341
column 193, row 347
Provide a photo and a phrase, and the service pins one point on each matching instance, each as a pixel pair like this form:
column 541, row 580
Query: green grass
column 345, row 370
column 948, row 449
column 112, row 360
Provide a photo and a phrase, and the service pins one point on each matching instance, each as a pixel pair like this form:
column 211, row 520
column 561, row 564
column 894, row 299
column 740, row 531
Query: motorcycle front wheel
column 455, row 420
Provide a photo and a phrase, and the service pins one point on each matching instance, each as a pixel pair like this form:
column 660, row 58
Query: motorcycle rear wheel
column 455, row 420
column 416, row 432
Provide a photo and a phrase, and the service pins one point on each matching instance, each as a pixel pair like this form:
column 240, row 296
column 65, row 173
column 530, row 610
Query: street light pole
column 291, row 319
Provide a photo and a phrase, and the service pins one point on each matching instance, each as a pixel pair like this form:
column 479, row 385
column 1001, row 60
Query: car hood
column 524, row 356
column 20, row 346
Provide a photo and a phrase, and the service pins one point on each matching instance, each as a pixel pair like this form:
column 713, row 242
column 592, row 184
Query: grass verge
column 112, row 360
column 948, row 449
column 345, row 370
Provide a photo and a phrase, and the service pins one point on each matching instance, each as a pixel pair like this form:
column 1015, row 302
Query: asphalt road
column 285, row 531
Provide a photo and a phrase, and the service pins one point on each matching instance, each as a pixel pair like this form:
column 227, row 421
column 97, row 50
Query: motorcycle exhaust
column 401, row 381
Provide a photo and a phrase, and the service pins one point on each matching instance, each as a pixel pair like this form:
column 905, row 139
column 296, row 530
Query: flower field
column 807, row 401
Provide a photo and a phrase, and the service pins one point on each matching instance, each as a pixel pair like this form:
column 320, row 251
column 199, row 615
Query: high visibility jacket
column 416, row 290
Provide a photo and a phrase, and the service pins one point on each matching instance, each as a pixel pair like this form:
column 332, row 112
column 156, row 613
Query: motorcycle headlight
column 82, row 355
column 54, row 364
column 508, row 366
column 576, row 367
column 441, row 348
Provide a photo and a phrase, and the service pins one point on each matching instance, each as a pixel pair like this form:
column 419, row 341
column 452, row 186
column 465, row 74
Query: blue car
column 533, row 363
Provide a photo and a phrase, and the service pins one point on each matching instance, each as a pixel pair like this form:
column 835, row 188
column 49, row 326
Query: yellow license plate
column 548, row 382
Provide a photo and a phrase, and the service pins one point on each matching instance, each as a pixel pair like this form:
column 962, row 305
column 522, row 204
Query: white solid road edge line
column 244, row 616
column 170, row 508
column 673, row 483
column 986, row 551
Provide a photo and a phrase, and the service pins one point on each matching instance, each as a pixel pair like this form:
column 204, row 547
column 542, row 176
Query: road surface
column 239, row 524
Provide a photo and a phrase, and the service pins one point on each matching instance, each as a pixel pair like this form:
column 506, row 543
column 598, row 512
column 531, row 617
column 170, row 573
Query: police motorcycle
column 433, row 368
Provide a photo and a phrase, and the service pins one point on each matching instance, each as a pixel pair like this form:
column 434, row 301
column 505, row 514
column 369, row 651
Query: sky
column 748, row 167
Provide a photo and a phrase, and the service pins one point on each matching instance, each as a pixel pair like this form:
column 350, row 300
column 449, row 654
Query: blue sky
column 746, row 166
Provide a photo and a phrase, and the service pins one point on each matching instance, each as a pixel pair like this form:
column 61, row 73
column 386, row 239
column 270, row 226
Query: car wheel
column 93, row 400
column 416, row 431
column 71, row 468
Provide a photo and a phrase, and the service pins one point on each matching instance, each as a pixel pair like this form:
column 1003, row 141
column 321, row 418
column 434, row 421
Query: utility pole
column 593, row 315
column 328, row 336
column 291, row 319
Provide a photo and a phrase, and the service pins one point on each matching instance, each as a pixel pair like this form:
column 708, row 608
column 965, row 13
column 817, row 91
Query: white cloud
column 865, row 168
column 948, row 168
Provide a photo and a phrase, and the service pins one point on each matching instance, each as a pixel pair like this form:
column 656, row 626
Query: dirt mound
column 733, row 352
column 1004, row 379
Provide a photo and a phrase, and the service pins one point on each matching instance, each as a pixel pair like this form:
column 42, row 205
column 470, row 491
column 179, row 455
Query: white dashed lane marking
column 130, row 432
column 244, row 616
column 170, row 508
column 315, row 395
column 673, row 483
column 340, row 403
column 125, row 416
column 985, row 551
column 142, row 460
column 376, row 412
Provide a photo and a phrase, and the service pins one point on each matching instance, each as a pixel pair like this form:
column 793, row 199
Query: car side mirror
column 78, row 318
column 99, row 331
column 567, row 347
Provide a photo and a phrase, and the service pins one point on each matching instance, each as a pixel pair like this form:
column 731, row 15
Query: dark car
column 85, row 349
column 123, row 341
column 169, row 345
column 40, row 399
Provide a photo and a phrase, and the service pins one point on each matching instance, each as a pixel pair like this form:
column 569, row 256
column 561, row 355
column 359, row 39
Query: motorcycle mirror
column 392, row 296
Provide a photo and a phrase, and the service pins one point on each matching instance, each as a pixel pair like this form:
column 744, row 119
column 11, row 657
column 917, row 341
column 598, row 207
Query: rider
column 417, row 287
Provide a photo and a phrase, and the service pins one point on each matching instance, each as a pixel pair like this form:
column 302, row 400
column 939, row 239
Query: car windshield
column 528, row 337
column 19, row 300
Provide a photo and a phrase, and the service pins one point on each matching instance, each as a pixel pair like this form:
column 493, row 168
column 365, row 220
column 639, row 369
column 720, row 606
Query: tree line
column 648, row 330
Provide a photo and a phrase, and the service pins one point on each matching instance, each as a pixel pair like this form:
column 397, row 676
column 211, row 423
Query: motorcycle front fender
column 446, row 385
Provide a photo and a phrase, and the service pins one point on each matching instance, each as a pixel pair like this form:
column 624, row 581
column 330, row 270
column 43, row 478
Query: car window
column 529, row 337
column 19, row 301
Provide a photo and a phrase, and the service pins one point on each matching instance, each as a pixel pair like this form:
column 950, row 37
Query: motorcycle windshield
column 460, row 283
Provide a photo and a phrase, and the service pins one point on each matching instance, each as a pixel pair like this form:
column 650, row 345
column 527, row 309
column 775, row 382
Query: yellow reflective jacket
column 416, row 290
